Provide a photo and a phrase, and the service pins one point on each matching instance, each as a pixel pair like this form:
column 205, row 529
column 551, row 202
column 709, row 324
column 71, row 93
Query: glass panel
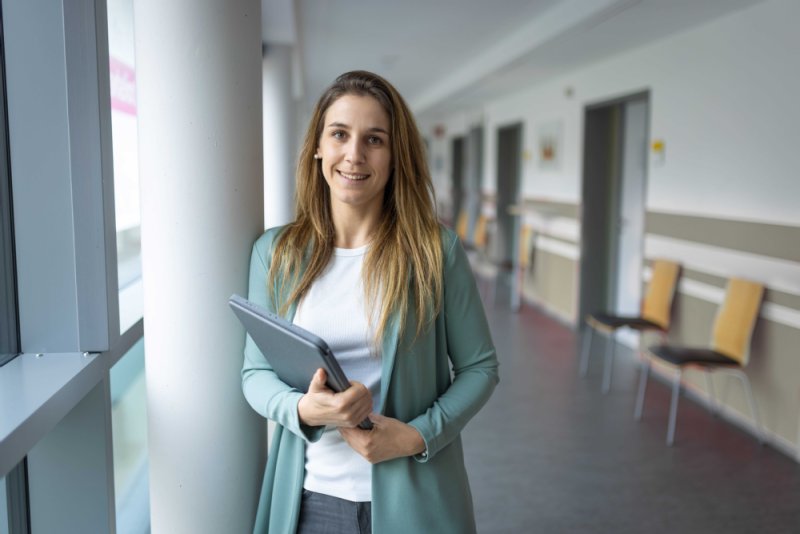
column 14, row 515
column 129, row 429
column 8, row 301
column 122, row 70
column 4, row 528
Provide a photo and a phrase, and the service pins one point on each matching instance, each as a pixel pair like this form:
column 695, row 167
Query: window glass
column 4, row 527
column 14, row 513
column 122, row 71
column 129, row 432
column 8, row 302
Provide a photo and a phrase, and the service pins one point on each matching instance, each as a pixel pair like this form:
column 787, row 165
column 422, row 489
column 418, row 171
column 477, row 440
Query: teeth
column 354, row 177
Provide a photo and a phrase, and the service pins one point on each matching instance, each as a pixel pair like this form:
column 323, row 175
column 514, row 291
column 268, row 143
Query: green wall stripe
column 559, row 239
column 556, row 209
column 771, row 240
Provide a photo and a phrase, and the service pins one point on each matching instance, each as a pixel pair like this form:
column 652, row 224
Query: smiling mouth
column 353, row 177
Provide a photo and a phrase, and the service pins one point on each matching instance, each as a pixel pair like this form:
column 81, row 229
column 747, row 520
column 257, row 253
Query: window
column 129, row 423
column 13, row 497
column 128, row 402
column 55, row 437
column 4, row 526
column 122, row 77
column 9, row 344
column 14, row 513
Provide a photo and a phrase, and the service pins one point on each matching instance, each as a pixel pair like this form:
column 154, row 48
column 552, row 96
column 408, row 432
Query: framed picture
column 549, row 145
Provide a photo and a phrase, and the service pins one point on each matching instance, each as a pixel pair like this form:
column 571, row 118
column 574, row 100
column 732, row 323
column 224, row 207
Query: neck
column 354, row 227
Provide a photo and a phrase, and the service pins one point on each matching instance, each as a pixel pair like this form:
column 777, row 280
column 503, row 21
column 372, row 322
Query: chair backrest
column 461, row 225
column 525, row 246
column 657, row 305
column 736, row 318
column 481, row 235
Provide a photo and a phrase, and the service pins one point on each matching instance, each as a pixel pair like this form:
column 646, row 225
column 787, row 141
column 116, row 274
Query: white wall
column 723, row 98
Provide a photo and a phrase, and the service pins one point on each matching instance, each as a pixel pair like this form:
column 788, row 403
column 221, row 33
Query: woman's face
column 355, row 152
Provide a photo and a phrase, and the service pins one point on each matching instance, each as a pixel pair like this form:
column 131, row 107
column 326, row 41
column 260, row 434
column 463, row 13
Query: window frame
column 65, row 236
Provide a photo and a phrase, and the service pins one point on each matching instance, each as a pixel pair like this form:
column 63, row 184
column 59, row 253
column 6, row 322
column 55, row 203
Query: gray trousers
column 323, row 514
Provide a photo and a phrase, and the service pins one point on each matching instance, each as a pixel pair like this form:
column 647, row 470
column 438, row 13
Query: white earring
column 317, row 156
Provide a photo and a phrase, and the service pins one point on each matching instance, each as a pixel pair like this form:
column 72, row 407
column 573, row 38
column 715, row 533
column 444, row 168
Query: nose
column 355, row 151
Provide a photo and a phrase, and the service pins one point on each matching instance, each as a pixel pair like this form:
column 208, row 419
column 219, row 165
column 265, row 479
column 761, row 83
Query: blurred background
column 571, row 143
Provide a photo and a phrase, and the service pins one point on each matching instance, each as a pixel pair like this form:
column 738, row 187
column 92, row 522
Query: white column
column 198, row 68
column 279, row 135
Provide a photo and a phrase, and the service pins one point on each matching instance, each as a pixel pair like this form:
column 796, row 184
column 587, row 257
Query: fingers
column 378, row 419
column 357, row 392
column 352, row 413
column 356, row 404
column 323, row 406
column 318, row 381
column 370, row 444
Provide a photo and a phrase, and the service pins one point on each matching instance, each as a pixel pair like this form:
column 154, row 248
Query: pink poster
column 123, row 86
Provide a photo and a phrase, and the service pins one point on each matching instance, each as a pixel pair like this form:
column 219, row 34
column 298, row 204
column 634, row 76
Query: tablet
column 294, row 353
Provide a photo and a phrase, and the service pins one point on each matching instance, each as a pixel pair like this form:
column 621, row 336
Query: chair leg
column 492, row 291
column 643, row 377
column 588, row 332
column 611, row 351
column 752, row 402
column 724, row 394
column 673, row 407
column 486, row 289
column 712, row 400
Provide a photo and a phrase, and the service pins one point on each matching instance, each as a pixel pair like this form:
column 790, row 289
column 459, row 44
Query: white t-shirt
column 334, row 309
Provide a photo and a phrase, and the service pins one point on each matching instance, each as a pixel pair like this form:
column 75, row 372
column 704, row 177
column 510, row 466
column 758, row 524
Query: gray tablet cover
column 294, row 353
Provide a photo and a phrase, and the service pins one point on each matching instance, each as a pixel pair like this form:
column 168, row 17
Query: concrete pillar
column 198, row 69
column 279, row 135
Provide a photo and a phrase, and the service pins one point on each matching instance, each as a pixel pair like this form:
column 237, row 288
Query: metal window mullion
column 91, row 173
column 61, row 161
column 17, row 499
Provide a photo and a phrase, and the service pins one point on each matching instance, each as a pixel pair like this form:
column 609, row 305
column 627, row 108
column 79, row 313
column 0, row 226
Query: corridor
column 550, row 453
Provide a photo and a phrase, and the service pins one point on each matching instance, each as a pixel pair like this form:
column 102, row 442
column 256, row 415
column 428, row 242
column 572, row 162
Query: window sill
column 36, row 393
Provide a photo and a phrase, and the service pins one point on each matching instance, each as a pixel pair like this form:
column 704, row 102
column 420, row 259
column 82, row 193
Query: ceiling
column 445, row 55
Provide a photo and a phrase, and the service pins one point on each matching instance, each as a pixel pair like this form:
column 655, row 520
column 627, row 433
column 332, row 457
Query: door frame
column 602, row 178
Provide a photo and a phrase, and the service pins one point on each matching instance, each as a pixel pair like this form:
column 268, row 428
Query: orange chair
column 462, row 226
column 655, row 316
column 729, row 352
column 482, row 264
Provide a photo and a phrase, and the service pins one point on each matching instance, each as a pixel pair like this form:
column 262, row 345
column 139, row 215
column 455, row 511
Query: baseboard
column 549, row 310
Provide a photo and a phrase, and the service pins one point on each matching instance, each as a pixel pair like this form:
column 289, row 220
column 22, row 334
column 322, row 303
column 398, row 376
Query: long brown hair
column 404, row 264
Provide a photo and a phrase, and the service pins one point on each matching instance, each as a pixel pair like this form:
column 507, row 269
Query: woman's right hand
column 322, row 406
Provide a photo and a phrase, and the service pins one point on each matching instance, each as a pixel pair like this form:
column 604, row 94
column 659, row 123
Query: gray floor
column 549, row 453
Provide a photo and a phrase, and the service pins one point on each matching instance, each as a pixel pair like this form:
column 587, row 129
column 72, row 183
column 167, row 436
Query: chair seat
column 692, row 356
column 612, row 322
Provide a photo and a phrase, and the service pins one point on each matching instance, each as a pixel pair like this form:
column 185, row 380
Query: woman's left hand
column 388, row 439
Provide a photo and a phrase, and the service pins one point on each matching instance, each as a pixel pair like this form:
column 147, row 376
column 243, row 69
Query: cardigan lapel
column 388, row 352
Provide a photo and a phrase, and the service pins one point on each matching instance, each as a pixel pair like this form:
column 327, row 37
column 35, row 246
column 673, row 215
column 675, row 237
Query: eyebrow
column 345, row 126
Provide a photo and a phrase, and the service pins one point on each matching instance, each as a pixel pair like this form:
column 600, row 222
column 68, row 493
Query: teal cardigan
column 418, row 494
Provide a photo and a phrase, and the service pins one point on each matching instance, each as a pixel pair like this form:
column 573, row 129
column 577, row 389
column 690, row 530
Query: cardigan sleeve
column 472, row 355
column 265, row 392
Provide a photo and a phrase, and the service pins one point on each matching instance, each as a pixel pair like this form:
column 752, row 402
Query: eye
column 338, row 134
column 374, row 140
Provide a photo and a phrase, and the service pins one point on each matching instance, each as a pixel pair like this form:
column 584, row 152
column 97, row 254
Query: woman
column 367, row 267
